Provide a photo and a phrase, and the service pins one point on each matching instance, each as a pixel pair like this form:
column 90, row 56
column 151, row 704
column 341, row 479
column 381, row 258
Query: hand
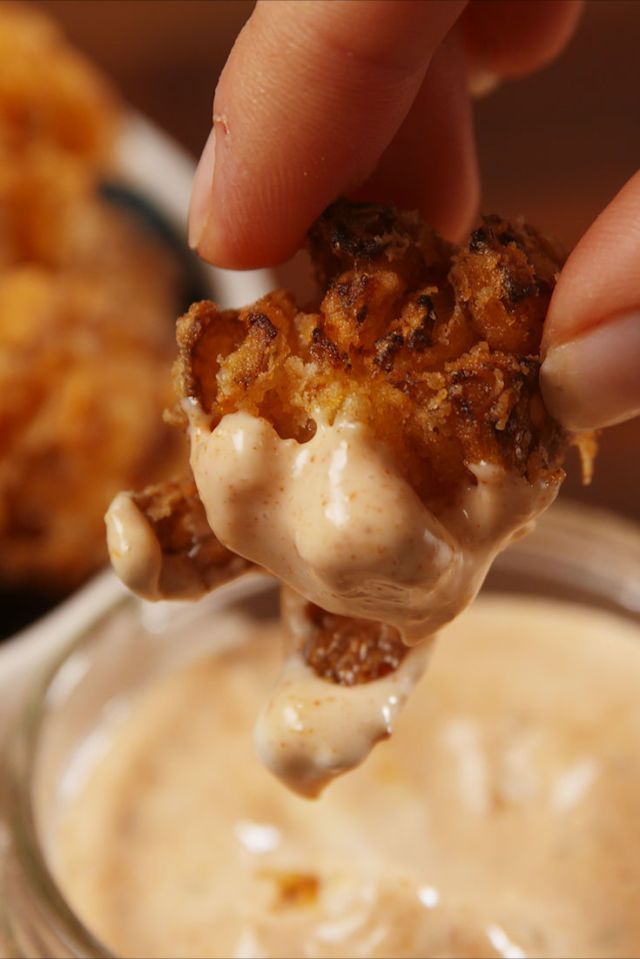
column 591, row 374
column 325, row 98
column 320, row 99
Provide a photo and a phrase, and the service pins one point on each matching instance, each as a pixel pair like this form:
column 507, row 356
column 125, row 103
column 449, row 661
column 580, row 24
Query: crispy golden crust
column 50, row 211
column 84, row 376
column 195, row 561
column 49, row 93
column 436, row 349
column 350, row 651
column 87, row 302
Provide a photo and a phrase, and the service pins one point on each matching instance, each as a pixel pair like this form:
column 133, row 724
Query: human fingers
column 431, row 162
column 311, row 95
column 591, row 371
column 510, row 38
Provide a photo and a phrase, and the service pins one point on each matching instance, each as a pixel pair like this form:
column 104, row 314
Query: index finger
column 310, row 97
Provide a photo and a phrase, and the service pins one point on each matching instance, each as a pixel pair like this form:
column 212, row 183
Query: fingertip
column 245, row 250
column 233, row 232
column 601, row 277
column 591, row 343
column 431, row 164
column 591, row 381
column 514, row 38
column 311, row 96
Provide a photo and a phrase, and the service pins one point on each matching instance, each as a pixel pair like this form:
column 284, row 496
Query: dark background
column 554, row 147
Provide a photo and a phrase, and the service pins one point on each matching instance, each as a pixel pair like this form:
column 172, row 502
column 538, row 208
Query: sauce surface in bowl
column 498, row 821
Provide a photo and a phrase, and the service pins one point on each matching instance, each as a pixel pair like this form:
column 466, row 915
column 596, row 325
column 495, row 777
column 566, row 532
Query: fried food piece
column 181, row 558
column 162, row 547
column 87, row 300
column 50, row 211
column 84, row 376
column 436, row 349
column 375, row 451
column 49, row 93
column 350, row 651
column 53, row 215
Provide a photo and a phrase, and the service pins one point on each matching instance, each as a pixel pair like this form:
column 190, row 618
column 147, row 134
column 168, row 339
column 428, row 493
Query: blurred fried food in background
column 49, row 93
column 87, row 301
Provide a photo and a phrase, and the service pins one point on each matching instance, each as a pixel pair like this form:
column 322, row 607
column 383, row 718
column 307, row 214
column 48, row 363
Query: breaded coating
column 84, row 376
column 350, row 651
column 87, row 301
column 436, row 349
column 49, row 93
column 86, row 345
column 194, row 560
column 53, row 215
column 50, row 211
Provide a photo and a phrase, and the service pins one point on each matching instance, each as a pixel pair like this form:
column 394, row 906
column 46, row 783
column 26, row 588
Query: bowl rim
column 19, row 762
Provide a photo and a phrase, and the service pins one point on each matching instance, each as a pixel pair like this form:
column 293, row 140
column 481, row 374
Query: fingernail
column 594, row 380
column 202, row 192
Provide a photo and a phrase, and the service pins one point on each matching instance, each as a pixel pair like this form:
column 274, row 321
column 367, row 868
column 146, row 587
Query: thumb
column 591, row 373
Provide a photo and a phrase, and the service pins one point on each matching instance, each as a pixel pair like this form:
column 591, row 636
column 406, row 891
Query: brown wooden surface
column 554, row 147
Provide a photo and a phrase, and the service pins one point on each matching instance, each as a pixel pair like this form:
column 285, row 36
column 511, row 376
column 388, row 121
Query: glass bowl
column 576, row 554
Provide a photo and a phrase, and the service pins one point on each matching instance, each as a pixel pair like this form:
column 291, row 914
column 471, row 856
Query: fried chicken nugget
column 374, row 451
column 49, row 93
column 87, row 299
column 52, row 214
column 349, row 651
column 183, row 559
column 435, row 349
column 84, row 375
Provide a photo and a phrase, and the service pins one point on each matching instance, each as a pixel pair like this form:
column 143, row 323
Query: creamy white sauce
column 134, row 549
column 310, row 730
column 499, row 820
column 154, row 573
column 336, row 521
column 141, row 564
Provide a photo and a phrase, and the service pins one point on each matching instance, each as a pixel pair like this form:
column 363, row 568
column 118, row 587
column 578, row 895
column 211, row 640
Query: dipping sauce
column 336, row 521
column 500, row 819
